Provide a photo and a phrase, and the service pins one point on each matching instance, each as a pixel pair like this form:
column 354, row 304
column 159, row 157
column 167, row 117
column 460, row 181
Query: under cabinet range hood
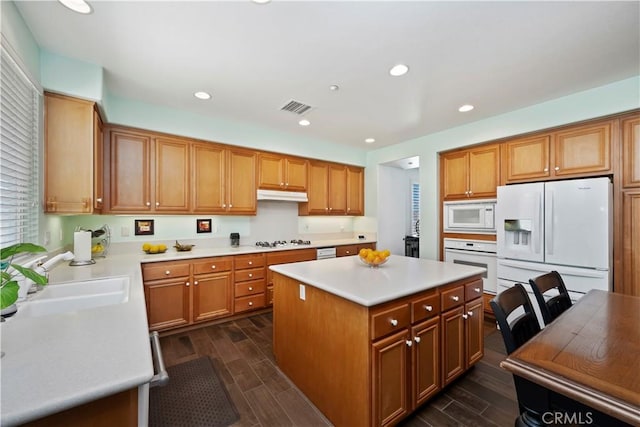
column 285, row 196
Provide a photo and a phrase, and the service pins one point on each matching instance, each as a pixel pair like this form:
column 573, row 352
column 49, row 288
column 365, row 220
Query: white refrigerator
column 559, row 225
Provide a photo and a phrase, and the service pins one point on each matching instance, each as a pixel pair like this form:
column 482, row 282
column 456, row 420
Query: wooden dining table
column 590, row 354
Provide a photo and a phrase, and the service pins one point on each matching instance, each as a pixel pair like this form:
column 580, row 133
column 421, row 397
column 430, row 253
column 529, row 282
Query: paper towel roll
column 82, row 245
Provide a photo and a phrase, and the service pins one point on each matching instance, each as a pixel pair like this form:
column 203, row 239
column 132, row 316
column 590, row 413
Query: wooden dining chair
column 550, row 307
column 516, row 329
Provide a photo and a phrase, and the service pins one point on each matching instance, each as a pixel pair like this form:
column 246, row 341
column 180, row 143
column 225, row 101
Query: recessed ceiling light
column 304, row 122
column 370, row 140
column 398, row 70
column 465, row 108
column 334, row 87
column 261, row 1
column 202, row 95
column 79, row 6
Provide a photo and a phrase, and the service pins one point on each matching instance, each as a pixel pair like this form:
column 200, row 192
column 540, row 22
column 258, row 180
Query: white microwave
column 478, row 216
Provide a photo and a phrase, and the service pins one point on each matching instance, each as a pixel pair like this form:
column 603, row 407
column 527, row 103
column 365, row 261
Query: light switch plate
column 303, row 292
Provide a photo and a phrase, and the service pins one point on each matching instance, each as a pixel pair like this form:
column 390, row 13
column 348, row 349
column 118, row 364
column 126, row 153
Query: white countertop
column 351, row 279
column 56, row 362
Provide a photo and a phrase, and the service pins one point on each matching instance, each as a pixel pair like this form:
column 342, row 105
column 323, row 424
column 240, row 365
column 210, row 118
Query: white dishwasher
column 326, row 253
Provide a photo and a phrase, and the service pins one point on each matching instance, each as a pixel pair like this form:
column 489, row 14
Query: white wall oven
column 478, row 253
column 469, row 216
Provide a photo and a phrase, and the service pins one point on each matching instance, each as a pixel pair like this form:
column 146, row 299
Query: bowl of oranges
column 373, row 258
column 154, row 249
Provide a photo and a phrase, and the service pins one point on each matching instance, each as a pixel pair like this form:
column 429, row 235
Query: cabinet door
column 355, row 191
column 337, row 190
column 271, row 172
column 208, row 173
column 212, row 296
column 130, row 172
column 98, row 162
column 69, row 155
column 425, row 362
column 527, row 159
column 171, row 175
column 455, row 175
column 241, row 186
column 167, row 304
column 581, row 150
column 296, row 174
column 474, row 335
column 630, row 282
column 484, row 171
column 318, row 191
column 390, row 358
column 631, row 152
column 453, row 342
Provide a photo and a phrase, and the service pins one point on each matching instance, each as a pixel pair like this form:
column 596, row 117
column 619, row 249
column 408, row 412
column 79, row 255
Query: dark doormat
column 195, row 396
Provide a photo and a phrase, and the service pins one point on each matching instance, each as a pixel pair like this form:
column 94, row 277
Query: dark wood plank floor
column 242, row 352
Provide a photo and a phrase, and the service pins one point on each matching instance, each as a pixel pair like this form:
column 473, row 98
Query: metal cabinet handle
column 195, row 282
column 477, row 290
column 230, row 205
column 99, row 200
column 557, row 168
column 455, row 297
column 409, row 343
column 417, row 339
column 394, row 322
column 546, row 169
column 187, row 284
column 167, row 273
column 282, row 184
column 464, row 316
column 157, row 203
column 347, row 252
column 428, row 307
column 250, row 262
column 250, row 274
column 224, row 205
column 250, row 303
column 470, row 313
column 162, row 377
column 148, row 203
column 213, row 267
column 250, row 288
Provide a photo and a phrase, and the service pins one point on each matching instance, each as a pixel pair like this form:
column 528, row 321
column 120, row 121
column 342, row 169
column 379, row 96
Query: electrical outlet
column 124, row 231
column 303, row 292
column 60, row 236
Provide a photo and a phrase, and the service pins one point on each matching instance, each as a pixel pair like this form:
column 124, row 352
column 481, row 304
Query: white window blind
column 415, row 207
column 19, row 142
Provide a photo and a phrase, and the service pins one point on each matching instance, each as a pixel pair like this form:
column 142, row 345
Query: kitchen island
column 369, row 345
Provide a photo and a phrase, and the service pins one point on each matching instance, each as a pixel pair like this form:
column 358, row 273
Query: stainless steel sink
column 75, row 296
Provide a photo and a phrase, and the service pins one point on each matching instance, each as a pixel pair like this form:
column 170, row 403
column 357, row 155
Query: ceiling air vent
column 296, row 107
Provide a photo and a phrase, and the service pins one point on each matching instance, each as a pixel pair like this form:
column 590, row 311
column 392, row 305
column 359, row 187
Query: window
column 415, row 208
column 20, row 110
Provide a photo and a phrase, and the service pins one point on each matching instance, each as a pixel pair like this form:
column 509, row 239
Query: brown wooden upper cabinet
column 153, row 173
column 471, row 173
column 147, row 173
column 631, row 151
column 73, row 135
column 333, row 189
column 277, row 172
column 576, row 151
column 223, row 179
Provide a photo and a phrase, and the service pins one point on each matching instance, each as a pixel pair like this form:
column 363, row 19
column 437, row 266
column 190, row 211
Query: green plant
column 9, row 287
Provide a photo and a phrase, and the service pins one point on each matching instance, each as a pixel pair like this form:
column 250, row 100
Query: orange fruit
column 363, row 252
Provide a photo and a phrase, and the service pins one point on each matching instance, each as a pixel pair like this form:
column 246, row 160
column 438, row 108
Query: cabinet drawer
column 425, row 307
column 390, row 320
column 252, row 274
column 346, row 250
column 248, row 261
column 452, row 298
column 269, row 295
column 212, row 265
column 164, row 270
column 249, row 288
column 473, row 290
column 249, row 302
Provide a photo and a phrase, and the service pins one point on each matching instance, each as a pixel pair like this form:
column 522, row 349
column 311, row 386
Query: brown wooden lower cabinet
column 120, row 409
column 414, row 346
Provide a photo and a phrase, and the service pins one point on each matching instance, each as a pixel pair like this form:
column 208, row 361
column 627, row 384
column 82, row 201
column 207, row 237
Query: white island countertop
column 59, row 361
column 351, row 279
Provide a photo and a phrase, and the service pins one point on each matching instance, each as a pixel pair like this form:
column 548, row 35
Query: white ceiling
column 498, row 56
